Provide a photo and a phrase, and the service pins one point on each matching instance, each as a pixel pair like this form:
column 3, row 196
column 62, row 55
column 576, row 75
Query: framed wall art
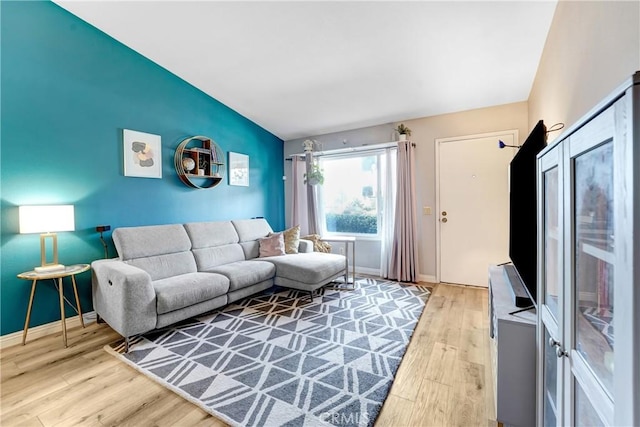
column 142, row 154
column 238, row 169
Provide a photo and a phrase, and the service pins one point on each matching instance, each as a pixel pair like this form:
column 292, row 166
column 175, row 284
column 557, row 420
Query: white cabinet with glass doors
column 589, row 268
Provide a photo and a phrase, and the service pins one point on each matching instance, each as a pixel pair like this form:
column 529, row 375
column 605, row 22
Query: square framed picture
column 142, row 154
column 238, row 169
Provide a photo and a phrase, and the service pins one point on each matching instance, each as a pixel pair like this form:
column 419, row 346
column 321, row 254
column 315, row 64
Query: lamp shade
column 46, row 218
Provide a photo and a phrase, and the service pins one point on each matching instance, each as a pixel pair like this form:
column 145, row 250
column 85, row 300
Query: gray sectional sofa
column 168, row 273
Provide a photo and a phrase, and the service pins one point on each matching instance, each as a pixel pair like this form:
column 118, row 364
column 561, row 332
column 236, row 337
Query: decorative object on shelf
column 238, row 169
column 188, row 164
column 403, row 131
column 142, row 154
column 315, row 176
column 199, row 162
column 47, row 220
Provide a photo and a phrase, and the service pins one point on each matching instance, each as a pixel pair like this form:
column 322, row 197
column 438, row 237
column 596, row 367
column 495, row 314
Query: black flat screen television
column 522, row 217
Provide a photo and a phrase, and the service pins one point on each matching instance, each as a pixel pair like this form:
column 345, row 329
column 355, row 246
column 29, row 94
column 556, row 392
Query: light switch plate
column 426, row 210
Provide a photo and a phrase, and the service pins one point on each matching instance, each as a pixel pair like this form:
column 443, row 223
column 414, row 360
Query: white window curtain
column 299, row 195
column 304, row 210
column 388, row 166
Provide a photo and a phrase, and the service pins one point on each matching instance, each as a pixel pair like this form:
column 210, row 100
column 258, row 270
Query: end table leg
column 26, row 322
column 75, row 291
column 62, row 317
column 353, row 262
column 346, row 263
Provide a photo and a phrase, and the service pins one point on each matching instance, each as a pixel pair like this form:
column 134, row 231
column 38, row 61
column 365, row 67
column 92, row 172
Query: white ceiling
column 306, row 68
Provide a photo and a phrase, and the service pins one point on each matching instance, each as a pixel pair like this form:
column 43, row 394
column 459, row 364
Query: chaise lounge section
column 168, row 273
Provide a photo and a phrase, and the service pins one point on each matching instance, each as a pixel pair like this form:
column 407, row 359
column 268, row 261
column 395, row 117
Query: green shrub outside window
column 352, row 223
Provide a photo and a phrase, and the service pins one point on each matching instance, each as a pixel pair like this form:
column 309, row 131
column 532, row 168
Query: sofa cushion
column 251, row 229
column 207, row 258
column 211, row 234
column 174, row 293
column 245, row 273
column 214, row 243
column 311, row 267
column 169, row 265
column 147, row 241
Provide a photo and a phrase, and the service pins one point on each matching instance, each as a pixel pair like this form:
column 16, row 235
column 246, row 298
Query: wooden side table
column 57, row 277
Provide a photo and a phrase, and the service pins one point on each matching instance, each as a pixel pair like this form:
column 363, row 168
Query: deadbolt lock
column 444, row 213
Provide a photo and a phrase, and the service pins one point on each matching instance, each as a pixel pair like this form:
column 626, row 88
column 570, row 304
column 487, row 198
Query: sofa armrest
column 305, row 246
column 123, row 296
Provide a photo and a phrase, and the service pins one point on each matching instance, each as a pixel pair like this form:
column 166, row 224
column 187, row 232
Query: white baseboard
column 427, row 278
column 376, row 272
column 46, row 329
column 368, row 271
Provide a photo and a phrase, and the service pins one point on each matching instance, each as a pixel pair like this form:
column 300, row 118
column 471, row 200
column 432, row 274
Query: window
column 350, row 199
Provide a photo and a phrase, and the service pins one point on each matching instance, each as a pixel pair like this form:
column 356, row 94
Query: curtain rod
column 359, row 149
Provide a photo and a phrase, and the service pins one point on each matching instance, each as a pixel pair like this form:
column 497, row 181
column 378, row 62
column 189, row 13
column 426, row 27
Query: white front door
column 473, row 205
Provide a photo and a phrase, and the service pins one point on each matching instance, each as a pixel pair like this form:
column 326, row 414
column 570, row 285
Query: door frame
column 438, row 141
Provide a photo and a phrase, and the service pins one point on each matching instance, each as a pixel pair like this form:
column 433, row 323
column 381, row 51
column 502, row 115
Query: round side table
column 56, row 276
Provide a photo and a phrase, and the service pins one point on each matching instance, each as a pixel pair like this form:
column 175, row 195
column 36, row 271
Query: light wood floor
column 444, row 378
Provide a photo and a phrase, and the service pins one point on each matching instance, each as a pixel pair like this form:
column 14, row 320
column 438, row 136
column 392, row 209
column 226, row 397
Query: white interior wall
column 592, row 47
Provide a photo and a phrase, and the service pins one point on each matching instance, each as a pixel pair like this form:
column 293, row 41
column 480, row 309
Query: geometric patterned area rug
column 278, row 359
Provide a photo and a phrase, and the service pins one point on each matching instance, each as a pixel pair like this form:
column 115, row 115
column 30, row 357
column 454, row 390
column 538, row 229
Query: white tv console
column 513, row 353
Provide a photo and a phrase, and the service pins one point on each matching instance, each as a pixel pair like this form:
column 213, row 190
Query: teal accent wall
column 67, row 92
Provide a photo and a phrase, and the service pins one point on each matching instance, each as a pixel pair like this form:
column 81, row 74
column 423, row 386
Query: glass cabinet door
column 591, row 257
column 594, row 261
column 550, row 406
column 552, row 278
column 550, row 289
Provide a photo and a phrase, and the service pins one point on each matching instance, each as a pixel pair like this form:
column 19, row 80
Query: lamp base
column 49, row 268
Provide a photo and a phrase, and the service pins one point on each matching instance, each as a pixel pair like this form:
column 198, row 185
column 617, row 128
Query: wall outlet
column 341, row 251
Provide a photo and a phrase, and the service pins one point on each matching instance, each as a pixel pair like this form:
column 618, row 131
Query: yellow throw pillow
column 291, row 239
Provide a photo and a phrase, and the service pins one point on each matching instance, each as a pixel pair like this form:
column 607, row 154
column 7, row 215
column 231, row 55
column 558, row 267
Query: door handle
column 444, row 220
column 560, row 352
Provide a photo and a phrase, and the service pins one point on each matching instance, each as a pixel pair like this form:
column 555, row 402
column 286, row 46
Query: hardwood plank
column 472, row 347
column 440, row 368
column 434, row 406
column 469, row 392
column 50, row 401
column 115, row 392
column 168, row 410
column 396, row 411
column 407, row 383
